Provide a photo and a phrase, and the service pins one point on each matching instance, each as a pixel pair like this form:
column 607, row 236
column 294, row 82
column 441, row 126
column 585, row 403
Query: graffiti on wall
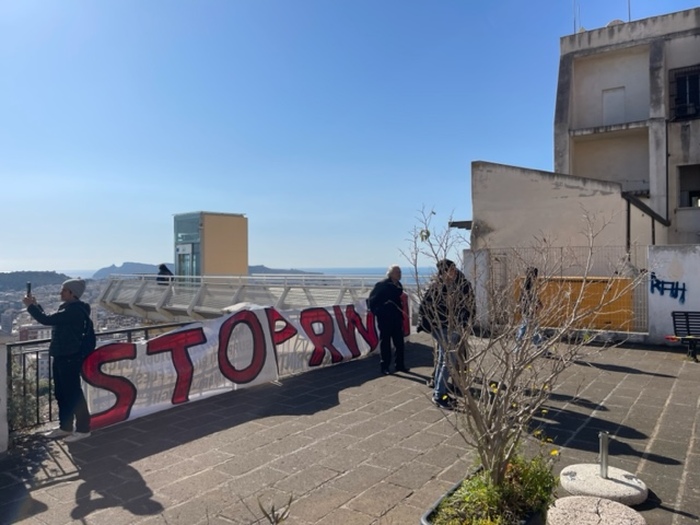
column 247, row 347
column 675, row 289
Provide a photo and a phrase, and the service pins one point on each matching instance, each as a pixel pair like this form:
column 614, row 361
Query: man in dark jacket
column 69, row 324
column 165, row 276
column 385, row 304
column 446, row 311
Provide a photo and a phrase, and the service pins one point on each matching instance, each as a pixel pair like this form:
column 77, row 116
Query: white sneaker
column 77, row 436
column 57, row 433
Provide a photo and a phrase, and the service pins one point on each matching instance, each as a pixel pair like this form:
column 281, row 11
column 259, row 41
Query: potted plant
column 532, row 307
column 523, row 497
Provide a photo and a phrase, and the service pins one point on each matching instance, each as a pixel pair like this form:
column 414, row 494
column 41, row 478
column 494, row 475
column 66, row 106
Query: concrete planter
column 426, row 518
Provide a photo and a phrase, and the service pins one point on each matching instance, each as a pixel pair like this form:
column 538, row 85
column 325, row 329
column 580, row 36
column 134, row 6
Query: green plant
column 274, row 516
column 528, row 488
column 22, row 401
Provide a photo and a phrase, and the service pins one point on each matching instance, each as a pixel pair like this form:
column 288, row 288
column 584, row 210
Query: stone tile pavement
column 352, row 447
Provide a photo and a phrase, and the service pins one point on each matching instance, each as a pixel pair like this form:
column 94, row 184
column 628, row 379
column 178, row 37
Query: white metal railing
column 187, row 298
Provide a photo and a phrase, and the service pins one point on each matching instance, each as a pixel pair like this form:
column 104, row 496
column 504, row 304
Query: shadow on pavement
column 102, row 461
column 621, row 369
column 133, row 494
column 654, row 502
column 22, row 469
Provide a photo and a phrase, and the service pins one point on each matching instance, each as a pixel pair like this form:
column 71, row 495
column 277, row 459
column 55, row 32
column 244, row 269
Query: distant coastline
column 365, row 270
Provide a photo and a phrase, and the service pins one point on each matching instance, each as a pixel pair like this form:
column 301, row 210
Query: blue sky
column 329, row 123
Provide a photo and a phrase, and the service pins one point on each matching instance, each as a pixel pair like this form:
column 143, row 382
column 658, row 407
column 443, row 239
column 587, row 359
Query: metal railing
column 31, row 401
column 198, row 298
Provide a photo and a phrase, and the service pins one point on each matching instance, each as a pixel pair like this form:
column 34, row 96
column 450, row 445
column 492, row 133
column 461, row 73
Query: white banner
column 249, row 346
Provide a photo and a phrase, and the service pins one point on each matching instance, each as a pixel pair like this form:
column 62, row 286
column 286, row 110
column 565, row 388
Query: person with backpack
column 385, row 303
column 70, row 324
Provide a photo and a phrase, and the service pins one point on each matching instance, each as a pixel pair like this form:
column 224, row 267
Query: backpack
column 88, row 343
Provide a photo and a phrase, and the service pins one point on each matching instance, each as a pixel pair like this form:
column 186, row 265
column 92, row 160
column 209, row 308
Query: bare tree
column 537, row 310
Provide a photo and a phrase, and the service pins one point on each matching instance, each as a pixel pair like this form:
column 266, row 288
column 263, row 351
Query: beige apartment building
column 628, row 111
column 211, row 244
column 626, row 145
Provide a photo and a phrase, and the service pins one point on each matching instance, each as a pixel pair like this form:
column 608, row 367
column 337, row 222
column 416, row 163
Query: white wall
column 617, row 157
column 627, row 71
column 632, row 31
column 476, row 270
column 683, row 51
column 672, row 265
column 512, row 206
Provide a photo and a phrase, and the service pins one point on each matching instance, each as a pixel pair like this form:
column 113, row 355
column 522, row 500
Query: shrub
column 528, row 488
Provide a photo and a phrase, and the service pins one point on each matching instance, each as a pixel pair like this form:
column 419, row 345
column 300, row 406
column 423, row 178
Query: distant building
column 211, row 244
column 6, row 320
column 29, row 332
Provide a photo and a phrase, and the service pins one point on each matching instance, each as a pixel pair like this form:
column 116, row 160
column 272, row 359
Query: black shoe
column 385, row 372
column 445, row 402
column 402, row 369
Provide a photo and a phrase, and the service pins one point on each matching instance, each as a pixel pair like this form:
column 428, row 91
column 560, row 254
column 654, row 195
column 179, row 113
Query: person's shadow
column 95, row 494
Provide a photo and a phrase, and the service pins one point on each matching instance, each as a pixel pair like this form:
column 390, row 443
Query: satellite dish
column 615, row 22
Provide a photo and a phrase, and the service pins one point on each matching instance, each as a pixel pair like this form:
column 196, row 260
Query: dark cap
column 444, row 264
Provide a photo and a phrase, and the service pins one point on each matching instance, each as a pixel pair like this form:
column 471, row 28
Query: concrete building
column 211, row 244
column 29, row 332
column 628, row 111
column 626, row 145
column 6, row 320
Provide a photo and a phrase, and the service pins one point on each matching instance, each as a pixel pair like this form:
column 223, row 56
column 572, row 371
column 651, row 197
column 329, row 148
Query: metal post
column 603, row 438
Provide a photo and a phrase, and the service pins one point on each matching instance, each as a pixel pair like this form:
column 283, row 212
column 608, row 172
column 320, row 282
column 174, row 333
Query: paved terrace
column 352, row 448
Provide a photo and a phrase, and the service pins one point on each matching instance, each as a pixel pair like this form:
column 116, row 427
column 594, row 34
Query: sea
column 378, row 271
column 368, row 270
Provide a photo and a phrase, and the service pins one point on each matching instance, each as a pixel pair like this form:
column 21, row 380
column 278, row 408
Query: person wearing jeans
column 446, row 362
column 446, row 311
column 69, row 324
column 530, row 305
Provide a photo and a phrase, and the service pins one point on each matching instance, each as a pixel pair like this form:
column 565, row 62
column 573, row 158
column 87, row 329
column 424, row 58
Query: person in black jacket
column 165, row 276
column 68, row 324
column 446, row 311
column 530, row 305
column 385, row 304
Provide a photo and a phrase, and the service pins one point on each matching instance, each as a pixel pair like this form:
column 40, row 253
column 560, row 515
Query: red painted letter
column 119, row 386
column 406, row 315
column 322, row 340
column 177, row 344
column 250, row 372
column 279, row 336
column 354, row 323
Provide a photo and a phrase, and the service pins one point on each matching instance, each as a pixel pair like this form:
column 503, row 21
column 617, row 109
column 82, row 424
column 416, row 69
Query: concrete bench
column 686, row 328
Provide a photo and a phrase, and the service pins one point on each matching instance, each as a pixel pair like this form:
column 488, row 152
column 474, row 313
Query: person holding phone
column 68, row 326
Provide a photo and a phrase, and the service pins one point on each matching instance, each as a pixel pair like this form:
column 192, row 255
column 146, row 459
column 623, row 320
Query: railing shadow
column 103, row 462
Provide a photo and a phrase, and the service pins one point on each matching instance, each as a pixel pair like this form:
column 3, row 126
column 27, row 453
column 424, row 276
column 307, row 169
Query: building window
column 684, row 86
column 689, row 181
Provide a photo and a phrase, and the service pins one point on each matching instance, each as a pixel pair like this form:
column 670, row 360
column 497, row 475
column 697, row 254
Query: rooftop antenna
column 629, row 11
column 574, row 9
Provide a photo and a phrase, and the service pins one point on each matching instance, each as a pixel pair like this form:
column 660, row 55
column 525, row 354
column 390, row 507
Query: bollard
column 603, row 438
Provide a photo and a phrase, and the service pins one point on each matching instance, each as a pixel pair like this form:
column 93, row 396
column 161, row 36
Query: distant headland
column 10, row 281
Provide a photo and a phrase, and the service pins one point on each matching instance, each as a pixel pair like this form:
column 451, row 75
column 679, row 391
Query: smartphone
column 29, row 288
